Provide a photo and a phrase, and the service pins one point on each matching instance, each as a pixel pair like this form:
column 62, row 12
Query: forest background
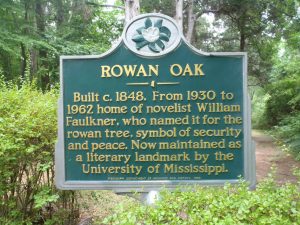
column 35, row 33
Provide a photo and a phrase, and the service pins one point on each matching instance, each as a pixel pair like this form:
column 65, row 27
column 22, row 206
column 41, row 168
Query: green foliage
column 287, row 132
column 254, row 26
column 48, row 29
column 27, row 138
column 259, row 98
column 283, row 106
column 166, row 7
column 232, row 204
column 44, row 197
column 284, row 99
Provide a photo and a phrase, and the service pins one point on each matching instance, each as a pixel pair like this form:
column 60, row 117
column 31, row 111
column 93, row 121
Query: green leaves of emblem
column 148, row 23
column 152, row 35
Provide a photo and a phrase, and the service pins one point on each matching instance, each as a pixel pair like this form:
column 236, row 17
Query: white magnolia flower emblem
column 152, row 35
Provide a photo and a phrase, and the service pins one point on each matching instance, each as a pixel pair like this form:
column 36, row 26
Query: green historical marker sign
column 152, row 112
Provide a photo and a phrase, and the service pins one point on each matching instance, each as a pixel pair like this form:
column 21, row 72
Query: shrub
column 284, row 99
column 288, row 133
column 232, row 204
column 283, row 111
column 258, row 107
column 27, row 137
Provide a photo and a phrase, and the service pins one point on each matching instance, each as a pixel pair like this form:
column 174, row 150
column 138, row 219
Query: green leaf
column 158, row 23
column 165, row 30
column 160, row 44
column 31, row 149
column 138, row 38
column 141, row 44
column 153, row 48
column 148, row 23
column 164, row 37
column 139, row 30
column 44, row 197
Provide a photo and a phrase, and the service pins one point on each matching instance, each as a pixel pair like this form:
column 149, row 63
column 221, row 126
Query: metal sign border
column 146, row 186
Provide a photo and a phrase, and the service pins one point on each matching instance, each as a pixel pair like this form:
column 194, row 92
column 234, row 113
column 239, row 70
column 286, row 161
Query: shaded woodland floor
column 268, row 155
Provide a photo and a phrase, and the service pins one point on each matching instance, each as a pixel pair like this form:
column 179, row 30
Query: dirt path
column 268, row 154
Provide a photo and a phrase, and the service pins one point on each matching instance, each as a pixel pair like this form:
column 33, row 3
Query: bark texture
column 179, row 14
column 132, row 9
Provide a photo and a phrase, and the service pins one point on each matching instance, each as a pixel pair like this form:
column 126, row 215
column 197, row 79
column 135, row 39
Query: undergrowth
column 27, row 137
column 231, row 204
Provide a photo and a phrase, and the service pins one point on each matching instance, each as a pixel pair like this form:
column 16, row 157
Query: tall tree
column 33, row 33
column 40, row 7
column 132, row 9
column 179, row 14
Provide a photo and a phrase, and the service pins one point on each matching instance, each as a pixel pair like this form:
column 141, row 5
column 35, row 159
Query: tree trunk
column 242, row 41
column 59, row 13
column 23, row 61
column 191, row 21
column 23, row 48
column 33, row 63
column 40, row 22
column 179, row 14
column 242, row 27
column 132, row 9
